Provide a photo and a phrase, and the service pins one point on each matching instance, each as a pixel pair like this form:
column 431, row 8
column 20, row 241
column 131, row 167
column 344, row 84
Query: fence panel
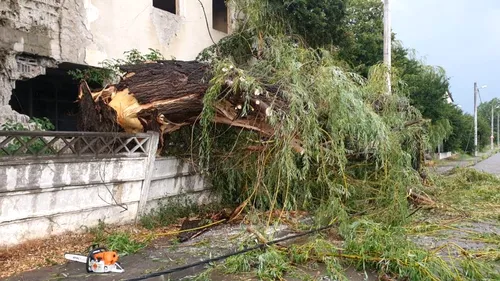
column 48, row 144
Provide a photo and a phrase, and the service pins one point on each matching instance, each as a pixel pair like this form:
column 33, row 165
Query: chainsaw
column 99, row 260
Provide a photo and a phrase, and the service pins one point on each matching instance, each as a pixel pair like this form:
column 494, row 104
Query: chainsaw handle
column 95, row 249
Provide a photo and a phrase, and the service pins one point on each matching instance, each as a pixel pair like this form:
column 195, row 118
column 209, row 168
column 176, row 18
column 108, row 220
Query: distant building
column 40, row 40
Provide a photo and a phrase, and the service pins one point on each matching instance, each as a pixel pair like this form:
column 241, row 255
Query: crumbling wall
column 37, row 34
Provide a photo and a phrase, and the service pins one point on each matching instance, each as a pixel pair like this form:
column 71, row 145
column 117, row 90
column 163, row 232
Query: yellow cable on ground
column 191, row 229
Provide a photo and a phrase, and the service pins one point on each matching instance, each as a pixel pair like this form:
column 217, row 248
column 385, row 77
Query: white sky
column 463, row 36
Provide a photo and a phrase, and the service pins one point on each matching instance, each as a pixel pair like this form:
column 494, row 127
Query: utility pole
column 492, row 132
column 498, row 129
column 387, row 42
column 475, row 119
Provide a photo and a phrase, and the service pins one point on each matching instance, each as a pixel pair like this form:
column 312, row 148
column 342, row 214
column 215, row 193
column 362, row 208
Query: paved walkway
column 490, row 165
column 462, row 232
column 447, row 165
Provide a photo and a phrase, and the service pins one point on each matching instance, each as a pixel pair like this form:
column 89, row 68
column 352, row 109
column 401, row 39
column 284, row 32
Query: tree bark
column 167, row 95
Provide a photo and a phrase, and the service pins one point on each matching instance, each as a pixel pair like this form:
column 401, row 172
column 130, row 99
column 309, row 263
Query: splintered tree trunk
column 174, row 89
column 167, row 95
column 157, row 96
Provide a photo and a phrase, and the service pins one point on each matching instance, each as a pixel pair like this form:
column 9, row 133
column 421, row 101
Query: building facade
column 40, row 40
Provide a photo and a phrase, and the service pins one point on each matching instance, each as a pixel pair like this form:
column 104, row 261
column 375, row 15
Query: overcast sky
column 463, row 36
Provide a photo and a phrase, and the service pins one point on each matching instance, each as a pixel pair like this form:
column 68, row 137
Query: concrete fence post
column 149, row 168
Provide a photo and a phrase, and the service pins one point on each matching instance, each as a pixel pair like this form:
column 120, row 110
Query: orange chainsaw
column 99, row 260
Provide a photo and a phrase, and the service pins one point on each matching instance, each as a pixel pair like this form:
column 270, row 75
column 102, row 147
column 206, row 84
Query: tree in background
column 484, row 116
column 318, row 22
column 364, row 41
column 352, row 30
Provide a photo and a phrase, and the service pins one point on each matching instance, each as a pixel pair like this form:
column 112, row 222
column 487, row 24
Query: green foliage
column 318, row 22
column 469, row 191
column 123, row 244
column 483, row 132
column 356, row 41
column 94, row 76
column 43, row 124
column 368, row 245
column 326, row 106
column 484, row 110
column 39, row 124
column 170, row 211
column 272, row 265
column 134, row 56
column 98, row 77
column 462, row 135
column 484, row 120
column 238, row 46
column 268, row 265
column 240, row 263
column 439, row 131
column 427, row 89
column 12, row 126
column 115, row 241
column 363, row 44
column 389, row 250
column 98, row 232
column 359, row 143
column 204, row 276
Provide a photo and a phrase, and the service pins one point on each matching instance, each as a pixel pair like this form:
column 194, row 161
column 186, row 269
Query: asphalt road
column 490, row 165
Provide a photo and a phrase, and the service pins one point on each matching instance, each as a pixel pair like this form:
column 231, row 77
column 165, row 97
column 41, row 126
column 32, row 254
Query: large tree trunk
column 167, row 95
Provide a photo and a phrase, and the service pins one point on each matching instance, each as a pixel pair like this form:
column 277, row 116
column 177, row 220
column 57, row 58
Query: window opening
column 166, row 5
column 219, row 15
column 52, row 95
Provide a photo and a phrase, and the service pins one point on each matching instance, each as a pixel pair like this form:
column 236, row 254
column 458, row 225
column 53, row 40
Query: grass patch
column 467, row 192
column 119, row 241
column 123, row 244
column 369, row 245
column 170, row 211
column 464, row 196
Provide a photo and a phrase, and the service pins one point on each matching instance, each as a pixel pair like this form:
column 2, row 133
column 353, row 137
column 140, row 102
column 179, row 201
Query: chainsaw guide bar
column 99, row 260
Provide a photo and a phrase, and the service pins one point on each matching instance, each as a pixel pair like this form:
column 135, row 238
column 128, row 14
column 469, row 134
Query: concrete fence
column 444, row 155
column 79, row 182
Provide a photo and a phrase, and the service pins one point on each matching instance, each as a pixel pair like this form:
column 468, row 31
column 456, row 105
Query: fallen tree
column 308, row 124
column 357, row 143
column 256, row 99
column 167, row 95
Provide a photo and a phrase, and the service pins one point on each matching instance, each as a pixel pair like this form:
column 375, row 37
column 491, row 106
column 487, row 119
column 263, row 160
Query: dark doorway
column 52, row 95
column 219, row 15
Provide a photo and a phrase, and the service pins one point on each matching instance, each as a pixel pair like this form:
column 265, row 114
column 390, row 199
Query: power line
column 223, row 257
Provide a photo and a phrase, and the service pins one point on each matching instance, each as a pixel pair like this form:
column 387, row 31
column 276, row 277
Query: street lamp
column 476, row 90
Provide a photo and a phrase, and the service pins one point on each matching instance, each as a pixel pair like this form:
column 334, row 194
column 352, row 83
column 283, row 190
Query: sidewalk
column 490, row 165
column 446, row 165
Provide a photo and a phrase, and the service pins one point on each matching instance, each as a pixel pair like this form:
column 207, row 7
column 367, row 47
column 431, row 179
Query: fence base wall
column 50, row 195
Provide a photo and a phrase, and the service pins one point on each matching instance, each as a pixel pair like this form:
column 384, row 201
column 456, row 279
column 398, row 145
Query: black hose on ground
column 223, row 257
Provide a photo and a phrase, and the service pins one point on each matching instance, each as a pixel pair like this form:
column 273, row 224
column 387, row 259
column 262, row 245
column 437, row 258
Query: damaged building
column 41, row 40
